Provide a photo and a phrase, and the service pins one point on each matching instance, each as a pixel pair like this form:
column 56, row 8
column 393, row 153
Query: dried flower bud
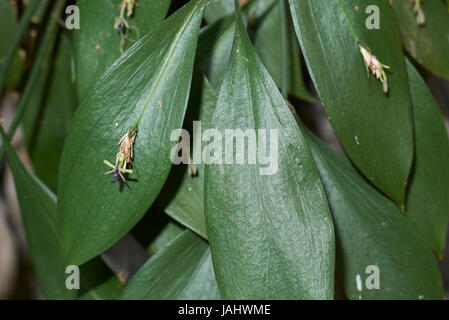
column 376, row 67
column 124, row 156
column 126, row 144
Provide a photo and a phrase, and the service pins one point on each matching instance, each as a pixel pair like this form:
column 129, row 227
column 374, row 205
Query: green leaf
column 108, row 290
column 181, row 271
column 187, row 205
column 7, row 23
column 38, row 206
column 214, row 49
column 35, row 102
column 11, row 62
column 271, row 236
column 166, row 235
column 148, row 85
column 39, row 14
column 43, row 55
column 265, row 29
column 370, row 231
column 215, row 44
column 427, row 200
column 93, row 275
column 112, row 288
column 217, row 9
column 374, row 128
column 155, row 229
column 46, row 127
column 97, row 43
column 7, row 29
column 428, row 43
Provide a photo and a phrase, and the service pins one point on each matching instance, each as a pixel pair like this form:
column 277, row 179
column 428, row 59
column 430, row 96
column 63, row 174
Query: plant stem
column 23, row 25
column 43, row 55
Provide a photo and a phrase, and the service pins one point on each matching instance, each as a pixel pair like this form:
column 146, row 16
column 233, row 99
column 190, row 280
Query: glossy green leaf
column 181, row 271
column 217, row 9
column 427, row 200
column 46, row 127
column 38, row 207
column 187, row 204
column 371, row 231
column 271, row 236
column 215, row 44
column 265, row 28
column 374, row 128
column 214, row 49
column 150, row 83
column 97, row 43
column 428, row 43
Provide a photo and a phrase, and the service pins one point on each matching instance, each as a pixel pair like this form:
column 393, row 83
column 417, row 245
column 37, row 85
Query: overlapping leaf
column 428, row 43
column 108, row 290
column 218, row 9
column 45, row 126
column 7, row 30
column 97, row 43
column 271, row 236
column 38, row 206
column 214, row 48
column 374, row 128
column 183, row 270
column 215, row 45
column 149, row 84
column 265, row 29
column 378, row 223
column 169, row 232
column 371, row 231
column 112, row 288
column 427, row 199
column 187, row 204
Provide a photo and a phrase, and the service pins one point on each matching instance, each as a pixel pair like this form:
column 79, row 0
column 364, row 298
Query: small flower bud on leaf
column 124, row 156
column 420, row 16
column 376, row 67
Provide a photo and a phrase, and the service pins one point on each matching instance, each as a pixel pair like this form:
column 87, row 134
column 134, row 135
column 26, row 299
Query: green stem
column 23, row 25
column 43, row 54
column 284, row 48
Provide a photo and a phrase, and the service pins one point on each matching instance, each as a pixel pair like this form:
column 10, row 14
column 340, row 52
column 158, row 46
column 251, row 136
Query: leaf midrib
column 168, row 58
